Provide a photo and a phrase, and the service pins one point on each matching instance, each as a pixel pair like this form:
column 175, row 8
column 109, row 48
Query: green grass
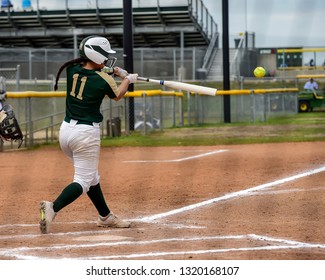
column 300, row 119
column 294, row 128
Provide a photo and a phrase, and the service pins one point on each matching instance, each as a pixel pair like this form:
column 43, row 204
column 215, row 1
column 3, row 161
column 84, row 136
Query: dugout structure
column 292, row 60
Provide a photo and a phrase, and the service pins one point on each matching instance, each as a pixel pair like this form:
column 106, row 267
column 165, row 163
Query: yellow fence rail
column 255, row 91
column 140, row 93
column 301, row 50
column 315, row 76
column 46, row 94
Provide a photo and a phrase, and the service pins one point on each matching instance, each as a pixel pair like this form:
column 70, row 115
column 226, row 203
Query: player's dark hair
column 70, row 62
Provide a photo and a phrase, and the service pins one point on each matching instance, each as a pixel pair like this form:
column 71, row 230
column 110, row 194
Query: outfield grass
column 294, row 128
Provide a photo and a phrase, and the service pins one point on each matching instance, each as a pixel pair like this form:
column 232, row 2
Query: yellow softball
column 259, row 72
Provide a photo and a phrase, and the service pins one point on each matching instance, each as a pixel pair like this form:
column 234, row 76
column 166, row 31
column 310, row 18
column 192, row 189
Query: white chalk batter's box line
column 229, row 196
column 278, row 244
column 209, row 153
column 233, row 195
column 257, row 193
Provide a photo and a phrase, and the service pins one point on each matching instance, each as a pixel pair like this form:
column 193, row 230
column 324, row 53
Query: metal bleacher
column 156, row 26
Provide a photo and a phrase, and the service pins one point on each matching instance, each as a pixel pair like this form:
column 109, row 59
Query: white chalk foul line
column 121, row 243
column 19, row 252
column 58, row 234
column 177, row 160
column 173, row 225
column 200, row 252
column 285, row 241
column 288, row 244
column 286, row 191
column 241, row 193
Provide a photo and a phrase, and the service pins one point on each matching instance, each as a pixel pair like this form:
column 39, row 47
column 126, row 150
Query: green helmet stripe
column 100, row 50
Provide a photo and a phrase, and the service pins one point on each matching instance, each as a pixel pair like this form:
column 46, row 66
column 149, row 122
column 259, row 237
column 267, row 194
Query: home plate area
column 258, row 201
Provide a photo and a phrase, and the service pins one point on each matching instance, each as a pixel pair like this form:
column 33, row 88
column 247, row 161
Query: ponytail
column 70, row 62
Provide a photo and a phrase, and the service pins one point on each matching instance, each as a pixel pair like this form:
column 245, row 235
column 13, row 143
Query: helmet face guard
column 110, row 62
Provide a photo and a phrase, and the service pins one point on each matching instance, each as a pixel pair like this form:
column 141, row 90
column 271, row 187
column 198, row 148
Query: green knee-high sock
column 68, row 195
column 96, row 196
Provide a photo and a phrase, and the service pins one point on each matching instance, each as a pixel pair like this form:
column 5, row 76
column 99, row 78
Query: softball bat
column 182, row 86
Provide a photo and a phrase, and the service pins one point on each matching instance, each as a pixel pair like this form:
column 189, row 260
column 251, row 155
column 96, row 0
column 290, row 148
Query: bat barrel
column 143, row 79
column 182, row 86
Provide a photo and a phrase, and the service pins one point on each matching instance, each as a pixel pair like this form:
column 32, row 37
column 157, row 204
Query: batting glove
column 132, row 78
column 119, row 72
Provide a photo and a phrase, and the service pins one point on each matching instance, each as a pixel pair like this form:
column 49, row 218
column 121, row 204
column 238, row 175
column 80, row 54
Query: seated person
column 311, row 85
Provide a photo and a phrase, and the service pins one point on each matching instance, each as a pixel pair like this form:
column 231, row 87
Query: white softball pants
column 81, row 143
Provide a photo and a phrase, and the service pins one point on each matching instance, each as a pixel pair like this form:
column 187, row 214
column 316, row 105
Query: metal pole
column 182, row 48
column 174, row 110
column 30, row 122
column 246, row 16
column 174, row 64
column 75, row 45
column 193, row 63
column 144, row 107
column 188, row 108
column 161, row 112
column 128, row 52
column 283, row 63
column 30, row 64
column 142, row 62
column 18, row 78
column 181, row 116
column 225, row 43
column 45, row 64
column 181, row 72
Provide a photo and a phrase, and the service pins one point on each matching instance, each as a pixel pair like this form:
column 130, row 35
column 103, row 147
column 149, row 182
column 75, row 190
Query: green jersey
column 86, row 90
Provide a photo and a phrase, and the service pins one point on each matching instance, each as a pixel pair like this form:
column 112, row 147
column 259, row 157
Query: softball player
column 79, row 138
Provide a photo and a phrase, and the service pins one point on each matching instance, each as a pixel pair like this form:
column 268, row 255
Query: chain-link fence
column 246, row 106
column 33, row 65
column 11, row 76
column 40, row 114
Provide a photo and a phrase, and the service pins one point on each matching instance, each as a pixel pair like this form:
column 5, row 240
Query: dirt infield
column 258, row 201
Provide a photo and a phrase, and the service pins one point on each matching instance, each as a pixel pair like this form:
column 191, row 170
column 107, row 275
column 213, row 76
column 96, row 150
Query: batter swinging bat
column 182, row 86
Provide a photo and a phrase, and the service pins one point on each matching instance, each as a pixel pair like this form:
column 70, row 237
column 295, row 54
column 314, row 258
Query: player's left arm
column 123, row 87
column 121, row 90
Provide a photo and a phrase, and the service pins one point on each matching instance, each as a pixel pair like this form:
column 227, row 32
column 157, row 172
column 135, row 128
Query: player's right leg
column 112, row 221
column 106, row 217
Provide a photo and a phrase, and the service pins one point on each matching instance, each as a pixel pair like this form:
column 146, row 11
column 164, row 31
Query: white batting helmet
column 96, row 49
